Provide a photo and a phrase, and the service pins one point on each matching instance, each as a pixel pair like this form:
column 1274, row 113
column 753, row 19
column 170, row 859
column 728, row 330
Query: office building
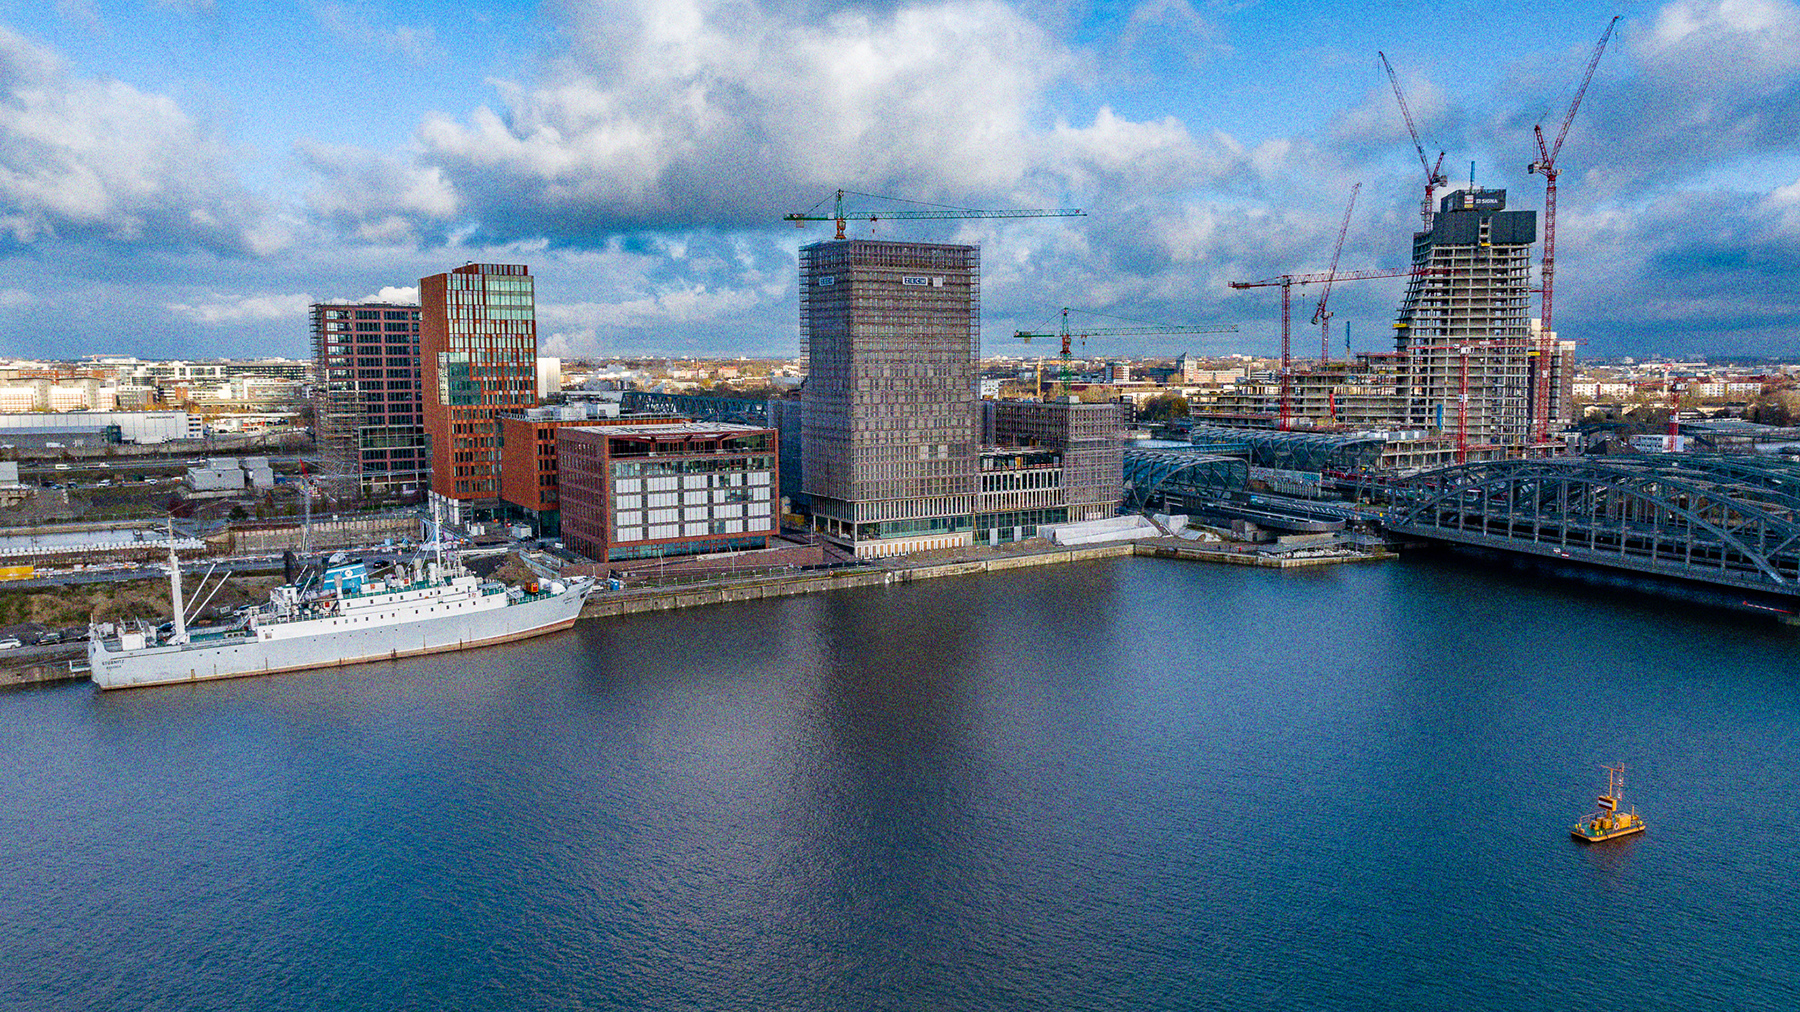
column 1087, row 439
column 478, row 348
column 890, row 440
column 529, row 473
column 664, row 490
column 368, row 409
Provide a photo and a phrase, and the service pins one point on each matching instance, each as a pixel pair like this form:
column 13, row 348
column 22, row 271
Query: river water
column 1128, row 784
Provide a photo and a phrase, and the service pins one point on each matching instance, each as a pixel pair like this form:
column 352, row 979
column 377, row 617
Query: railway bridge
column 1729, row 520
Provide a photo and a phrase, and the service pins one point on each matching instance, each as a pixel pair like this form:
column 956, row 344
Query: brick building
column 674, row 489
column 478, row 348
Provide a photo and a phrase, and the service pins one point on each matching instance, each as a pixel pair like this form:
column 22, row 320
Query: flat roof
column 675, row 429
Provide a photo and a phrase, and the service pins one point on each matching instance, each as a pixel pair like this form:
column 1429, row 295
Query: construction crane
column 1287, row 282
column 1434, row 175
column 1462, row 397
column 840, row 215
column 1546, row 167
column 1321, row 315
column 1069, row 336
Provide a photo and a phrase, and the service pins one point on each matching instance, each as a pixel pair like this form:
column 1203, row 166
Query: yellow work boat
column 1611, row 821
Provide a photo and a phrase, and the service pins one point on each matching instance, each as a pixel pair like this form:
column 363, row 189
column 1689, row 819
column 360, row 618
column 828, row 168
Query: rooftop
column 673, row 429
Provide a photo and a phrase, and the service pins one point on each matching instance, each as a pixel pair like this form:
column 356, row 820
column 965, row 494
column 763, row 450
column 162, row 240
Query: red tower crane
column 1321, row 315
column 1434, row 176
column 1287, row 282
column 1546, row 166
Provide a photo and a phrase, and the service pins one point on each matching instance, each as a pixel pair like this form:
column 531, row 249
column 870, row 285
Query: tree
column 1163, row 407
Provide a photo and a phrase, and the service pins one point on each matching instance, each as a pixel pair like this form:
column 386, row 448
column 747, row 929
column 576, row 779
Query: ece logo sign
column 921, row 282
column 827, row 280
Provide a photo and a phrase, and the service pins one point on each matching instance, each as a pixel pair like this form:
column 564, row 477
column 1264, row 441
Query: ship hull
column 246, row 656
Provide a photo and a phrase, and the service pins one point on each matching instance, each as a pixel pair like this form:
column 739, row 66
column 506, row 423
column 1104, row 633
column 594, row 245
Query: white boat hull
column 335, row 641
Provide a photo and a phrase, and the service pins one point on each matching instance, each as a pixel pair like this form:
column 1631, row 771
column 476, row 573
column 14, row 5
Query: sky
column 182, row 178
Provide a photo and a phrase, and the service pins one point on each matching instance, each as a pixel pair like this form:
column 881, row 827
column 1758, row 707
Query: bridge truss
column 1732, row 520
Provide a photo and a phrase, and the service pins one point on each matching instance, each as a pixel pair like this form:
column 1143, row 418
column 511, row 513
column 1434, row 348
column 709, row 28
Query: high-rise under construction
column 1464, row 330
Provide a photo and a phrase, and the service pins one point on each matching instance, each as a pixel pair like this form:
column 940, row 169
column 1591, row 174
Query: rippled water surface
column 1133, row 784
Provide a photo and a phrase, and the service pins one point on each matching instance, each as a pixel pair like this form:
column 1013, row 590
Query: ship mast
column 180, row 634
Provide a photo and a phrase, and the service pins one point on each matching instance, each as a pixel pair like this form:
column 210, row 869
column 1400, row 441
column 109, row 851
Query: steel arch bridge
column 1732, row 520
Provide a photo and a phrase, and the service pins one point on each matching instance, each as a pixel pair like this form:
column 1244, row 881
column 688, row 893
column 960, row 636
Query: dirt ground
column 108, row 602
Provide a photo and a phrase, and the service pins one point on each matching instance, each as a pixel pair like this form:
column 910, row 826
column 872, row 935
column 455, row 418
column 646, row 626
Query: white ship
column 342, row 618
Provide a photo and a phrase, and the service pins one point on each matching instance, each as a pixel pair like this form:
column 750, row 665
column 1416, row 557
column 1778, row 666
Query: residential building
column 368, row 405
column 478, row 348
column 664, row 490
column 890, row 333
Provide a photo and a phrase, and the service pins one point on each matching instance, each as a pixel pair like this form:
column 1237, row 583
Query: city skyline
column 184, row 179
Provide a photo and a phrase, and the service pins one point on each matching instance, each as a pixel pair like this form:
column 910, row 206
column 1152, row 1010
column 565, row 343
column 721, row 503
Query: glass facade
column 478, row 335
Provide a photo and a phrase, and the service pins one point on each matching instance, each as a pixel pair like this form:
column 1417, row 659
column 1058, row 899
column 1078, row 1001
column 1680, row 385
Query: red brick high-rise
column 478, row 350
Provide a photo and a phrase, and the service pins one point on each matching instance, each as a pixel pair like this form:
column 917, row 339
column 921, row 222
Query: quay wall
column 633, row 602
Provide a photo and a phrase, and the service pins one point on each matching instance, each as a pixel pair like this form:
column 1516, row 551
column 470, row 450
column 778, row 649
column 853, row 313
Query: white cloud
column 14, row 298
column 416, row 44
column 694, row 112
column 229, row 309
column 378, row 198
column 90, row 158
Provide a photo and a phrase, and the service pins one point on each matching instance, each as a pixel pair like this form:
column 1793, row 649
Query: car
column 50, row 637
column 10, row 643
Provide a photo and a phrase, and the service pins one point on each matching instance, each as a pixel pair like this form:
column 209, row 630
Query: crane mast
column 1069, row 336
column 1286, row 283
column 1546, row 167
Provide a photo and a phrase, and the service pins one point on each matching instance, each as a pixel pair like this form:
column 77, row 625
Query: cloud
column 83, row 13
column 99, row 160
column 416, row 44
column 374, row 197
column 14, row 298
column 1700, row 83
column 389, row 293
column 231, row 309
column 714, row 115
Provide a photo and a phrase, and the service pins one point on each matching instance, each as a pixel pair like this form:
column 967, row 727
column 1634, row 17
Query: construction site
column 1474, row 373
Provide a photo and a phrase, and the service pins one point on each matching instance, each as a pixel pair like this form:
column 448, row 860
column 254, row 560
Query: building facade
column 529, row 472
column 889, row 428
column 368, row 408
column 1087, row 439
column 478, row 349
column 1465, row 323
column 673, row 489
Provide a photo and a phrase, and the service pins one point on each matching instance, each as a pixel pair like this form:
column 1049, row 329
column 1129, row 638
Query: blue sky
column 181, row 177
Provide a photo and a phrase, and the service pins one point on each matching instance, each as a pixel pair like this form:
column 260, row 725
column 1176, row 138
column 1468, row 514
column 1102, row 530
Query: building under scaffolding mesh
column 367, row 398
column 890, row 331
